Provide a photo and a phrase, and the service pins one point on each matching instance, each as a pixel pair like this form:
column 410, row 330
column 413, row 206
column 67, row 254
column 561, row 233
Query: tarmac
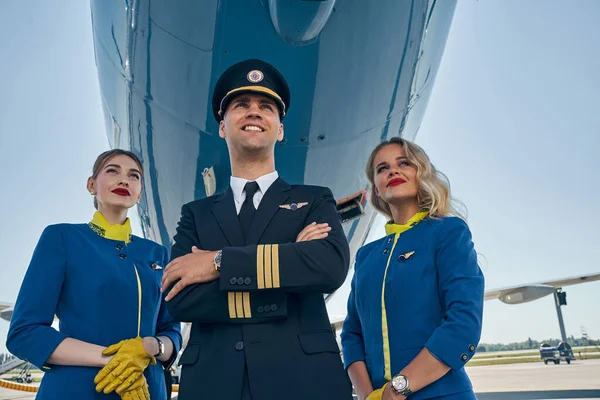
column 579, row 380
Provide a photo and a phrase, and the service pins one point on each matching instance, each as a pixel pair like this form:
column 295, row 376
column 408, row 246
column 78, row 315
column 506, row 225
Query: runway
column 6, row 394
column 580, row 380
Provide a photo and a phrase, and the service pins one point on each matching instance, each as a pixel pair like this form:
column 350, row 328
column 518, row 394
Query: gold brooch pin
column 405, row 256
column 293, row 206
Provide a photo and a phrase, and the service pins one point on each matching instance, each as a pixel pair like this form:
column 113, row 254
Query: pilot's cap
column 250, row 76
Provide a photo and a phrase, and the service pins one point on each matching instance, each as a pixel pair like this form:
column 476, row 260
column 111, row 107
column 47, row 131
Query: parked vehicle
column 556, row 353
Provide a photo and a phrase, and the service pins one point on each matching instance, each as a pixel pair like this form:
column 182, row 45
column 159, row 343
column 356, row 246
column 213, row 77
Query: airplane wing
column 6, row 310
column 513, row 294
column 529, row 292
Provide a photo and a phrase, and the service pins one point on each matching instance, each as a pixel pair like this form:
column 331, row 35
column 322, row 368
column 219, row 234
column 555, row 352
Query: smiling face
column 395, row 177
column 117, row 183
column 251, row 124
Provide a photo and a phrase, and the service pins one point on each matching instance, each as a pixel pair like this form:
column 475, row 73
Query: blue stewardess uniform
column 418, row 287
column 89, row 280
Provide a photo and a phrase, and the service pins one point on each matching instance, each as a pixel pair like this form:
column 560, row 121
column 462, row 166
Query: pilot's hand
column 313, row 231
column 195, row 267
column 124, row 369
column 137, row 391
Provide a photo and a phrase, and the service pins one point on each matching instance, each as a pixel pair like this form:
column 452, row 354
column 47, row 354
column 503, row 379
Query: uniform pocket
column 190, row 354
column 318, row 342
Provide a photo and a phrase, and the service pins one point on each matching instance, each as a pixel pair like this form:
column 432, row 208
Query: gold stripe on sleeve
column 268, row 268
column 247, row 309
column 260, row 267
column 239, row 308
column 275, row 263
column 231, row 303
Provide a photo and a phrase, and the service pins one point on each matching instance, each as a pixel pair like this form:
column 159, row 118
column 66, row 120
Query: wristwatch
column 400, row 385
column 161, row 347
column 217, row 260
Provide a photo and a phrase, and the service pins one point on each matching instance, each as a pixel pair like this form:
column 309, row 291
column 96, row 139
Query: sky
column 512, row 121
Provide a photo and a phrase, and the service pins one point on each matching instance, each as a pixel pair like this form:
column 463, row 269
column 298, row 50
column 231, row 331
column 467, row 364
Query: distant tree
column 481, row 349
column 530, row 343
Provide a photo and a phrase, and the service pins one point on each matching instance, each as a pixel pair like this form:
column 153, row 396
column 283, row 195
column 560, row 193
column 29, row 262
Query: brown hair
column 434, row 188
column 105, row 157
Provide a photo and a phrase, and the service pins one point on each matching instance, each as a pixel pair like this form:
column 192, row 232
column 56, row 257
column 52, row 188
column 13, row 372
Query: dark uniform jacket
column 266, row 313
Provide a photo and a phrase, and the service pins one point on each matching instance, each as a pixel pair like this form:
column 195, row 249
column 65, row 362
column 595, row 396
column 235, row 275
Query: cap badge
column 255, row 76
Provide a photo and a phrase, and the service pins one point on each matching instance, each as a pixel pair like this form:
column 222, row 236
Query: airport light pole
column 560, row 298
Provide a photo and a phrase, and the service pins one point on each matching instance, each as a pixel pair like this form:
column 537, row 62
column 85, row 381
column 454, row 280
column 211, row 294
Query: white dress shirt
column 239, row 195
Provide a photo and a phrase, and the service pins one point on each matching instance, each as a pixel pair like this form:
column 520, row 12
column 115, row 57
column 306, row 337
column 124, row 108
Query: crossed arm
column 317, row 261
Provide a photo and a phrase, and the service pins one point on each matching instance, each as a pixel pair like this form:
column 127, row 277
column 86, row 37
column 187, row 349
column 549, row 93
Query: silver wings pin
column 293, row 206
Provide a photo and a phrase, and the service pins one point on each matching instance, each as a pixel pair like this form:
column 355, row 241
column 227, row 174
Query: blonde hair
column 434, row 187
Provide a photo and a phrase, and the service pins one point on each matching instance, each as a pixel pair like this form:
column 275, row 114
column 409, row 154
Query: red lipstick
column 396, row 182
column 121, row 192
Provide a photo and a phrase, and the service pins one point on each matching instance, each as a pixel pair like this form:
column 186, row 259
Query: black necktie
column 247, row 211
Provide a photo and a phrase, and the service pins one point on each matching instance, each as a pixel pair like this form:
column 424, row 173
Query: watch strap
column 217, row 260
column 161, row 347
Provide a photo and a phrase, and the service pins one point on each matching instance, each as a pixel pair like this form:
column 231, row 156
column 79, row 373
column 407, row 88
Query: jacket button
column 471, row 347
column 247, row 281
column 464, row 357
column 260, row 309
column 267, row 308
column 389, row 240
column 273, row 307
column 239, row 346
column 122, row 256
column 385, row 251
column 119, row 246
column 240, row 281
column 233, row 281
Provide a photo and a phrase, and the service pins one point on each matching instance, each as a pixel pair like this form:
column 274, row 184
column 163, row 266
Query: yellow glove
column 129, row 362
column 377, row 394
column 137, row 391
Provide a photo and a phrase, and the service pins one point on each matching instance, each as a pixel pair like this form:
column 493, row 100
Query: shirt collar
column 264, row 183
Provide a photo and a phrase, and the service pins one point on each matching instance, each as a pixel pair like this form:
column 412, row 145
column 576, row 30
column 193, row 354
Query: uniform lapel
column 226, row 216
column 277, row 194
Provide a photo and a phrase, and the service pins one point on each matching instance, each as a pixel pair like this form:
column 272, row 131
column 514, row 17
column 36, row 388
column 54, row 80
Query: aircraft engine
column 526, row 293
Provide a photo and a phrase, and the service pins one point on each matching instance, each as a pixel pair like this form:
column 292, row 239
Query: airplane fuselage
column 359, row 72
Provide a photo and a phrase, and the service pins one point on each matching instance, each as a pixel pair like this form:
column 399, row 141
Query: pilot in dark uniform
column 250, row 266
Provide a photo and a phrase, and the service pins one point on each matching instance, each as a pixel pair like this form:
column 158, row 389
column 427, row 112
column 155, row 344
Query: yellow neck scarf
column 391, row 227
column 100, row 225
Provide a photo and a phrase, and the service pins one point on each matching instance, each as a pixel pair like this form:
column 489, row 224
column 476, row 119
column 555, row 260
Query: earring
column 92, row 193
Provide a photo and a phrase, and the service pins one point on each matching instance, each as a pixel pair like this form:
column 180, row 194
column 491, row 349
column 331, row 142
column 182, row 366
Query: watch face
column 218, row 258
column 399, row 382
